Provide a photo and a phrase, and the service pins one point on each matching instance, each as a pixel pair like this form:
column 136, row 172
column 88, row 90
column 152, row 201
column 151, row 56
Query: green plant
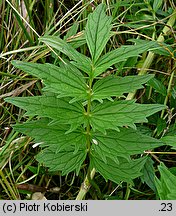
column 166, row 186
column 82, row 118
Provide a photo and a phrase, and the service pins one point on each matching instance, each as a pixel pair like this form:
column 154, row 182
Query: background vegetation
column 22, row 22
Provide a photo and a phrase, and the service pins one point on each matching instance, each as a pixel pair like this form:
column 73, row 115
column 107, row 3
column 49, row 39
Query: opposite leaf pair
column 83, row 117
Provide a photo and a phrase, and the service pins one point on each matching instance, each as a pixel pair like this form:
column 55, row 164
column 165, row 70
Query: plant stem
column 88, row 114
column 168, row 91
column 85, row 185
column 127, row 192
column 90, row 174
column 7, row 184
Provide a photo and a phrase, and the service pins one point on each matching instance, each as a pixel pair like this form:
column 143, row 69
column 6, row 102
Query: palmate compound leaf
column 80, row 61
column 125, row 143
column 97, row 31
column 62, row 152
column 64, row 81
column 119, row 55
column 117, row 86
column 166, row 185
column 59, row 110
column 111, row 115
column 53, row 136
column 124, row 170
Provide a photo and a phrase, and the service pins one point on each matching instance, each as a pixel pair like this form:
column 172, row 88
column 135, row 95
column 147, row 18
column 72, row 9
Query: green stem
column 127, row 192
column 168, row 91
column 90, row 174
column 85, row 185
column 7, row 184
column 8, row 143
column 88, row 115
